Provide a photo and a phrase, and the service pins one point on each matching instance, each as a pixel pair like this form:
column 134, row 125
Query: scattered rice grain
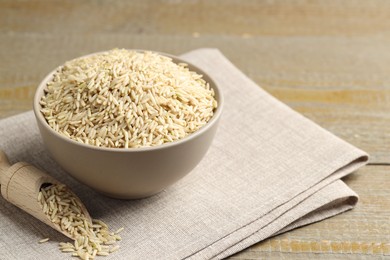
column 90, row 238
column 119, row 230
column 43, row 240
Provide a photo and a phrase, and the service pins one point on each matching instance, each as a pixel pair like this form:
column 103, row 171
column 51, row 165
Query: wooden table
column 329, row 60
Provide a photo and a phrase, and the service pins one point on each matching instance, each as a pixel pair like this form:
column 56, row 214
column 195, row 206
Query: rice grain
column 127, row 99
column 43, row 240
column 90, row 238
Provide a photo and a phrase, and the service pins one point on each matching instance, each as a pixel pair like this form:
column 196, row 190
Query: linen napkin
column 269, row 170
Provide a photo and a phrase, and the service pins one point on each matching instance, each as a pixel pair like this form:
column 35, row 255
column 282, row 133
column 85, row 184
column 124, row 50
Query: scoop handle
column 20, row 185
column 4, row 165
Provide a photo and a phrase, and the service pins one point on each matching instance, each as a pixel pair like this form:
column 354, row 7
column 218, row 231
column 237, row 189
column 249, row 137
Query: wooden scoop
column 20, row 185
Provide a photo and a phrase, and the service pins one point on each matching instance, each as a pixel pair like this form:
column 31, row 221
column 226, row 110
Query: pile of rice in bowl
column 126, row 99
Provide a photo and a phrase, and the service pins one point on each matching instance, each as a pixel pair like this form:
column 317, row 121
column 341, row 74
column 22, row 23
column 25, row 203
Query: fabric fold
column 269, row 170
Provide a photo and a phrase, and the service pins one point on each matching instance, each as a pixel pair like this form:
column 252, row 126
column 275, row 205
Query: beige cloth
column 269, row 170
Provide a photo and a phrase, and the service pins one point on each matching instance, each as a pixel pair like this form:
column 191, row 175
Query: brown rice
column 64, row 209
column 126, row 99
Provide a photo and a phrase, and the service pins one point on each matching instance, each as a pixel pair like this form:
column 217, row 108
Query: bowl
column 135, row 172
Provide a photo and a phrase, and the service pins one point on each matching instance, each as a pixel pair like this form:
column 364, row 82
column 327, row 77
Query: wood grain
column 262, row 17
column 328, row 60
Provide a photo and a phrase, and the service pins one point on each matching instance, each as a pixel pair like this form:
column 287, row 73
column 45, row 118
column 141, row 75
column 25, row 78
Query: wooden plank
column 327, row 59
column 357, row 234
column 353, row 108
column 359, row 116
column 309, row 62
column 275, row 17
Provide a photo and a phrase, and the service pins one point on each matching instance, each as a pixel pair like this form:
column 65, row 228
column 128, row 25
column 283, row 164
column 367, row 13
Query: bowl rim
column 217, row 113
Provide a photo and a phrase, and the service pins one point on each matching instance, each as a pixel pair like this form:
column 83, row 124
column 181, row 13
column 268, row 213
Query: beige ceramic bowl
column 129, row 173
